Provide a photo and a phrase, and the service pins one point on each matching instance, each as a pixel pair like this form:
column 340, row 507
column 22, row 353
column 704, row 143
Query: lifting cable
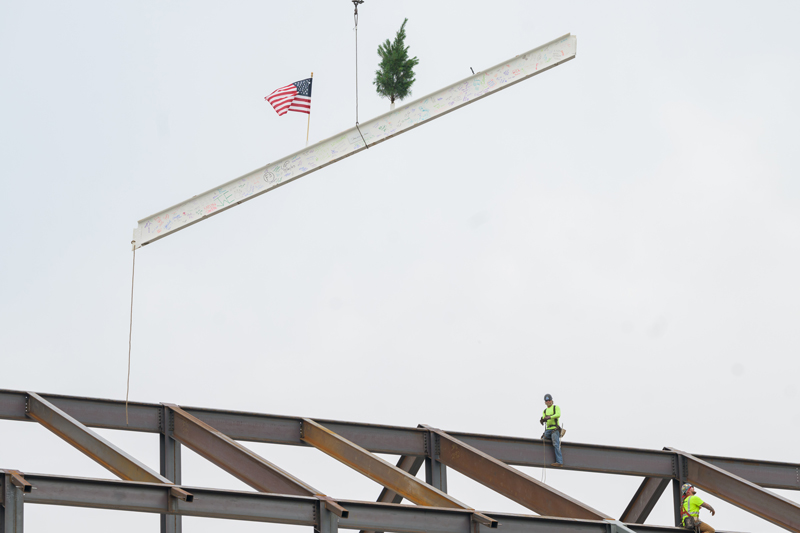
column 130, row 335
column 355, row 29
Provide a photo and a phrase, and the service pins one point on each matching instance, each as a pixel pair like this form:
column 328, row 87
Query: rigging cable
column 355, row 29
column 130, row 334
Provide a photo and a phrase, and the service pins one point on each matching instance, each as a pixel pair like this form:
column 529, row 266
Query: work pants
column 705, row 528
column 555, row 436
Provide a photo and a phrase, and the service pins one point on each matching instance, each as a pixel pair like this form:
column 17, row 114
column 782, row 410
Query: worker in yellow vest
column 552, row 430
column 690, row 510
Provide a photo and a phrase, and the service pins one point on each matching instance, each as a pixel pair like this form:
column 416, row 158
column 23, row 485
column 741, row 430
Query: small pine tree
column 395, row 74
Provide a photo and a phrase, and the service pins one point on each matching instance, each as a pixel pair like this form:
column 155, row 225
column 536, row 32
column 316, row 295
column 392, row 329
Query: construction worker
column 691, row 507
column 552, row 431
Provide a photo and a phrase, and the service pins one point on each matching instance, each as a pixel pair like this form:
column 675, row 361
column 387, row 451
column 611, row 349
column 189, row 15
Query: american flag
column 293, row 97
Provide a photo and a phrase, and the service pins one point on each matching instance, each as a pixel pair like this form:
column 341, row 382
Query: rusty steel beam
column 281, row 509
column 515, row 451
column 644, row 500
column 381, row 471
column 19, row 481
column 509, row 481
column 240, row 462
column 408, row 464
column 742, row 493
column 90, row 443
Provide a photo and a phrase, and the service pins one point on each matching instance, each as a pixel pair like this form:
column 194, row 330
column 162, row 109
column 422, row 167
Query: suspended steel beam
column 90, row 443
column 381, row 471
column 644, row 500
column 515, row 451
column 352, row 141
column 240, row 462
column 283, row 509
column 741, row 493
column 509, row 481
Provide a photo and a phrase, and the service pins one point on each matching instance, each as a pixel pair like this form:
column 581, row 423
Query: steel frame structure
column 282, row 498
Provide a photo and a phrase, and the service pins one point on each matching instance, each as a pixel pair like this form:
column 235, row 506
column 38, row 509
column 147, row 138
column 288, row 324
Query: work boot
column 559, row 465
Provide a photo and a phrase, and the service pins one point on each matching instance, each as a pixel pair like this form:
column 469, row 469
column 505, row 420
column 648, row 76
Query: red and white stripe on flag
column 293, row 97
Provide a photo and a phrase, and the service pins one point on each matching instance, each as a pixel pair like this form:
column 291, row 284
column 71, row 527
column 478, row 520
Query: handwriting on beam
column 350, row 142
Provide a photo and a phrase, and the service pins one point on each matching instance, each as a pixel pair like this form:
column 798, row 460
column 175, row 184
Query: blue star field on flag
column 292, row 97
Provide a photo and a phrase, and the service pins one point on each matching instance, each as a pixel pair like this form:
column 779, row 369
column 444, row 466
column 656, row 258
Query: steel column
column 643, row 501
column 742, row 493
column 509, row 481
column 435, row 470
column 327, row 522
column 381, row 471
column 11, row 505
column 170, row 467
column 679, row 478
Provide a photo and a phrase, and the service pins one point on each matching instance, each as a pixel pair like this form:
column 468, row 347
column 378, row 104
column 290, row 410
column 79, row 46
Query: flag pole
column 309, row 119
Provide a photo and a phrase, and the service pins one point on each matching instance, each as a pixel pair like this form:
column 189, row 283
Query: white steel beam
column 350, row 141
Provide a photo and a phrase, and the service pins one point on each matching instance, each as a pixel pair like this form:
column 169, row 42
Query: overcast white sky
column 622, row 231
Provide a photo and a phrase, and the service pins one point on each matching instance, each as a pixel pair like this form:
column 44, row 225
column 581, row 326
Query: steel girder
column 382, row 471
column 645, row 498
column 283, row 509
column 471, row 460
column 90, row 443
column 742, row 493
column 408, row 464
column 508, row 481
column 514, row 451
column 239, row 461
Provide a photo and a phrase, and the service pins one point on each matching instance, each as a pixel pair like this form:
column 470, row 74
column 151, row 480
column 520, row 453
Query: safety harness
column 686, row 513
column 553, row 407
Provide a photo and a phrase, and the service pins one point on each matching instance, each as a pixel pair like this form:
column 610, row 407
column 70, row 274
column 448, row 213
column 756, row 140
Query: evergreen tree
column 395, row 74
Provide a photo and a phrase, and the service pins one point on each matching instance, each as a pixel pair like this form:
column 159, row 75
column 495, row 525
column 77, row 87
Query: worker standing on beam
column 552, row 429
column 690, row 510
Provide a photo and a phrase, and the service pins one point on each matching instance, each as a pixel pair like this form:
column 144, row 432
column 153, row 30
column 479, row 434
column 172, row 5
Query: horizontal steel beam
column 509, row 481
column 382, row 471
column 516, row 451
column 282, row 509
column 741, row 493
column 644, row 500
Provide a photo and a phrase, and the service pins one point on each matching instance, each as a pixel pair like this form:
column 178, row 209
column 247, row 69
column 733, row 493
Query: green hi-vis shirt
column 555, row 413
column 691, row 505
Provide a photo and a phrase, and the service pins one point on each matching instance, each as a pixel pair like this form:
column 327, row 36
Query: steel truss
column 282, row 498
